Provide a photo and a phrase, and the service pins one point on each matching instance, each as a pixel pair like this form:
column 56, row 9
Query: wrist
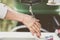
column 25, row 18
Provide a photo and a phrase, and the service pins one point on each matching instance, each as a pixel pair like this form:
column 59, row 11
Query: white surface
column 18, row 39
column 15, row 35
column 18, row 27
column 3, row 10
column 25, row 35
column 57, row 4
column 55, row 37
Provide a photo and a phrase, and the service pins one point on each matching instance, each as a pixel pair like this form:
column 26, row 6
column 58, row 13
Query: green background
column 41, row 8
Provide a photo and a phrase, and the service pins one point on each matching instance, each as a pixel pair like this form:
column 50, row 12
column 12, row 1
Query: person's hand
column 32, row 24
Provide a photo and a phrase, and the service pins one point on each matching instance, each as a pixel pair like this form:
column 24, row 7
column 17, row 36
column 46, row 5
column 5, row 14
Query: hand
column 32, row 24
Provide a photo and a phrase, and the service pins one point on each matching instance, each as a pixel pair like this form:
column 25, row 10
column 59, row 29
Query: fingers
column 32, row 31
column 33, row 25
column 38, row 24
column 35, row 29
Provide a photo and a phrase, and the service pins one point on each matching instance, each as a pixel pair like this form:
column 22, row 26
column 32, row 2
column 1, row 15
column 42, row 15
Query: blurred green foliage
column 7, row 25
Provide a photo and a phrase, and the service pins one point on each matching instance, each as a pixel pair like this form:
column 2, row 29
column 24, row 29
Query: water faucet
column 30, row 3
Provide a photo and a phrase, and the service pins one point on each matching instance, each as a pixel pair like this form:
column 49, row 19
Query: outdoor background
column 41, row 8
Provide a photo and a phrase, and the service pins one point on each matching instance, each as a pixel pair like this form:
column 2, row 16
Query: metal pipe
column 30, row 10
column 56, row 21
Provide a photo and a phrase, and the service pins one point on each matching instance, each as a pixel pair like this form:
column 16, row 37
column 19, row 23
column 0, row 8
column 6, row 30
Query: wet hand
column 33, row 25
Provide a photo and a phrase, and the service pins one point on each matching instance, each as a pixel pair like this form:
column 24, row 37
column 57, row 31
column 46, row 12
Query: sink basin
column 18, row 39
column 25, row 36
column 16, row 36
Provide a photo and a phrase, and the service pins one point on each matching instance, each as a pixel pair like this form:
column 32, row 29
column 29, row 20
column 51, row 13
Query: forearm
column 8, row 13
column 13, row 15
